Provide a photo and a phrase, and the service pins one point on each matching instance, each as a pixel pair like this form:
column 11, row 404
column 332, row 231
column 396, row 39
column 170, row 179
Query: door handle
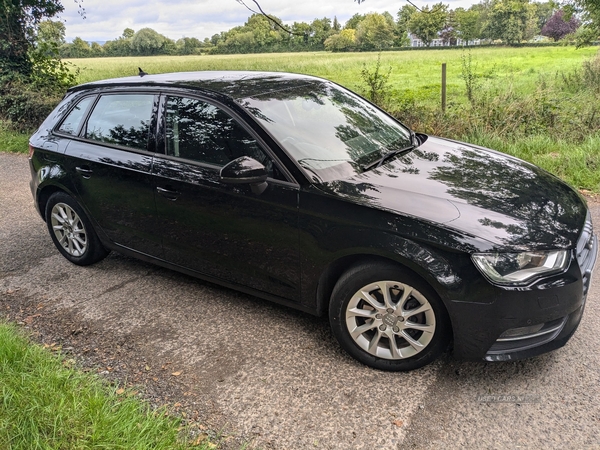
column 85, row 171
column 169, row 194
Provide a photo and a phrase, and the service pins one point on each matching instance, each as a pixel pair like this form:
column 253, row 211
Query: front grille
column 548, row 332
column 587, row 247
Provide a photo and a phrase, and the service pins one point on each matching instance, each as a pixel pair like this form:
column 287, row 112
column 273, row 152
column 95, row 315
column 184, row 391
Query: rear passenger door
column 111, row 163
column 222, row 230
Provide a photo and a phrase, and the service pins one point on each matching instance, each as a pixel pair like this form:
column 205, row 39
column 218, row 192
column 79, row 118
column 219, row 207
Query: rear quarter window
column 70, row 124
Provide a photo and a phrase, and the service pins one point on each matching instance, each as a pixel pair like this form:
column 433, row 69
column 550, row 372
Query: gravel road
column 266, row 376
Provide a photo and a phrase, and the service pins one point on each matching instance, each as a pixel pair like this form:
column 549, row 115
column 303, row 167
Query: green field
column 417, row 73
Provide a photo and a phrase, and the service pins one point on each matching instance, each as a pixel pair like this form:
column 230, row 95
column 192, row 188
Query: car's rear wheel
column 388, row 318
column 71, row 231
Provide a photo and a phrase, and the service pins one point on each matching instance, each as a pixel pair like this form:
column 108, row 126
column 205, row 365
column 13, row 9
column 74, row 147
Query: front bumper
column 556, row 333
column 521, row 323
column 562, row 330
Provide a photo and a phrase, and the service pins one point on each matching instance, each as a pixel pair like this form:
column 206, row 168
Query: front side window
column 201, row 132
column 71, row 123
column 121, row 120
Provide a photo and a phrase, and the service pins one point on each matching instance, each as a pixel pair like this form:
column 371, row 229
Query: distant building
column 416, row 42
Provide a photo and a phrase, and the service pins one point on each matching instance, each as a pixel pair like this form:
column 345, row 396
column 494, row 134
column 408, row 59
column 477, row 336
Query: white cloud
column 107, row 19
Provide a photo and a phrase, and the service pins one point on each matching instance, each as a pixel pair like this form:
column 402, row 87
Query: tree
column 299, row 38
column 336, row 24
column 147, row 42
column 449, row 33
column 354, row 21
column 49, row 37
column 50, row 31
column 18, row 20
column 590, row 12
column 266, row 30
column 404, row 15
column 402, row 19
column 344, row 41
column 80, row 48
column 120, row 46
column 189, row 46
column 96, row 50
column 543, row 12
column 128, row 33
column 320, row 30
column 240, row 41
column 557, row 27
column 511, row 21
column 468, row 24
column 215, row 39
column 427, row 23
column 375, row 32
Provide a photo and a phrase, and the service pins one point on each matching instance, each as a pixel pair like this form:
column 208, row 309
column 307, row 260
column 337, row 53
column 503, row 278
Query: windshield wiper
column 387, row 156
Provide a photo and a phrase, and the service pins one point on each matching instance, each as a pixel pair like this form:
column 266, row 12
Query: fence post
column 444, row 87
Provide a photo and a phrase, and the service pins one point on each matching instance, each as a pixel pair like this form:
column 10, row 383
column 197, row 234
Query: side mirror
column 245, row 170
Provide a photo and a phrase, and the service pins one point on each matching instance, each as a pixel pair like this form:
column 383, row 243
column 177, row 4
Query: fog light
column 521, row 331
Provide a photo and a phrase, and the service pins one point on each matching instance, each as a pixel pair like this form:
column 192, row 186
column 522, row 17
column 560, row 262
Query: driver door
column 222, row 230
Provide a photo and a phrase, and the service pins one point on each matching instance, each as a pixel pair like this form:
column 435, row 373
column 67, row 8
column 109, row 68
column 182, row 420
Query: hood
column 485, row 194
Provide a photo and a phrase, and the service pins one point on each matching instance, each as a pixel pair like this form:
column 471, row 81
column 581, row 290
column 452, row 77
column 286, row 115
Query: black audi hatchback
column 294, row 189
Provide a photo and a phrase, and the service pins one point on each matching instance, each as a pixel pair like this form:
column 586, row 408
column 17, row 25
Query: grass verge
column 13, row 141
column 47, row 404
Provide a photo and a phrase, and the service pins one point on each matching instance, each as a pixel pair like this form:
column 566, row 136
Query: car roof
column 235, row 84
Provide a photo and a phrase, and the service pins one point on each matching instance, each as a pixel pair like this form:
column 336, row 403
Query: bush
column 591, row 73
column 24, row 104
column 26, row 99
column 376, row 82
column 587, row 78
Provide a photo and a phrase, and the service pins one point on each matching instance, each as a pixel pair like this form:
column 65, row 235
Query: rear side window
column 71, row 123
column 121, row 120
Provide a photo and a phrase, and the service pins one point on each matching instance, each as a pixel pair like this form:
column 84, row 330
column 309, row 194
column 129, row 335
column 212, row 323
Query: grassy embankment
column 529, row 102
column 46, row 404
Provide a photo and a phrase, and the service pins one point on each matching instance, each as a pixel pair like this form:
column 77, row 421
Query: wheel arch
column 44, row 194
column 338, row 267
column 79, row 228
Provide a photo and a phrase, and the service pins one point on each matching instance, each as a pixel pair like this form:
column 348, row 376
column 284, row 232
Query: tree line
column 490, row 21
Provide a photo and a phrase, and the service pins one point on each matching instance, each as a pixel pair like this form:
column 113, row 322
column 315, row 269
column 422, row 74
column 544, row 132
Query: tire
column 72, row 232
column 406, row 331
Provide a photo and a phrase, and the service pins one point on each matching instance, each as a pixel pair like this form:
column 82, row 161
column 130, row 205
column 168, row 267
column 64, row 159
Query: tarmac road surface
column 272, row 377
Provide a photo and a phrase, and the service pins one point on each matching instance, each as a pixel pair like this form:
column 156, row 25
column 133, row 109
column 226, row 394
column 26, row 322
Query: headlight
column 519, row 268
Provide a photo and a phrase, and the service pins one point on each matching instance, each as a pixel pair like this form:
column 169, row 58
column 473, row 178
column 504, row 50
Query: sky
column 106, row 19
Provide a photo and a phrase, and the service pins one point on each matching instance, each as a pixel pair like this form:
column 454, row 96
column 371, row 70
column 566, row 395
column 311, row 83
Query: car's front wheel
column 71, row 231
column 388, row 318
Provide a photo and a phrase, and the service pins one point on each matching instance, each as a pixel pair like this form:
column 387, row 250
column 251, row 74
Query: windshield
column 331, row 132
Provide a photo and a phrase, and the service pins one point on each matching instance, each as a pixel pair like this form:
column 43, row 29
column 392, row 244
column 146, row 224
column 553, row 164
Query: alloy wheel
column 390, row 320
column 69, row 229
